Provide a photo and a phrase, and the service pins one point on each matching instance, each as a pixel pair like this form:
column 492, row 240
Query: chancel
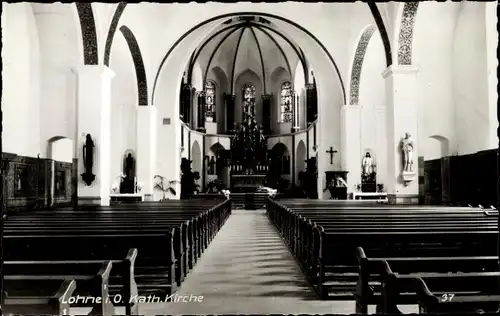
column 353, row 136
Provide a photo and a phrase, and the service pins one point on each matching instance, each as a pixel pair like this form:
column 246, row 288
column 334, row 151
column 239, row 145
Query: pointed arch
column 112, row 30
column 405, row 39
column 89, row 34
column 357, row 64
column 140, row 71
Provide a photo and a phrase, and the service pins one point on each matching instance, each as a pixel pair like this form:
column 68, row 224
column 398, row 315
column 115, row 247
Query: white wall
column 21, row 81
column 435, row 78
column 372, row 100
column 61, row 49
column 470, row 80
column 62, row 150
column 124, row 102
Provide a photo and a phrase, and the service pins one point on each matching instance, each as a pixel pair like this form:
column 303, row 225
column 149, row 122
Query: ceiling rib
column 198, row 52
column 279, row 48
column 235, row 57
column 301, row 57
column 215, row 51
column 261, row 59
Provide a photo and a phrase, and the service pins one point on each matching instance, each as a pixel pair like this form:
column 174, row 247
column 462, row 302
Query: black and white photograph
column 257, row 158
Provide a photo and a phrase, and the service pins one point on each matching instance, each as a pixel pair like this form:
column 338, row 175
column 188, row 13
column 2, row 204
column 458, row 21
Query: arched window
column 286, row 102
column 248, row 102
column 209, row 101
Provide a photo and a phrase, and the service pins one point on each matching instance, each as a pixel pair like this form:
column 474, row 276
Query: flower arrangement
column 226, row 193
column 115, row 187
column 139, row 186
column 164, row 186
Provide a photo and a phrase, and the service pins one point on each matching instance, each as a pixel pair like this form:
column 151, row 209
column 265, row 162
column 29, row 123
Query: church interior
column 339, row 161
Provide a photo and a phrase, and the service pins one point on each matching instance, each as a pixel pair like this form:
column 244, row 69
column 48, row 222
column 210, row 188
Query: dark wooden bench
column 189, row 240
column 373, row 268
column 50, row 297
column 92, row 281
column 441, row 292
column 323, row 236
column 154, row 266
column 186, row 227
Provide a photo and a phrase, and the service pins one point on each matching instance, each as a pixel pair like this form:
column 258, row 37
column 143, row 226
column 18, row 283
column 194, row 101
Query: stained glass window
column 210, row 101
column 248, row 102
column 286, row 102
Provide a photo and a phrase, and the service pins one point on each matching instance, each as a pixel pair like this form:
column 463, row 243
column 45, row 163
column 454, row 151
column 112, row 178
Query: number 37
column 447, row 297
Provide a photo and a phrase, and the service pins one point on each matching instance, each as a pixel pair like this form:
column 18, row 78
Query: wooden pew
column 323, row 236
column 154, row 267
column 441, row 292
column 92, row 281
column 50, row 297
column 126, row 221
column 458, row 299
column 121, row 221
column 373, row 267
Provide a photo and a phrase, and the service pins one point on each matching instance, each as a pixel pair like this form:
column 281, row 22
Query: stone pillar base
column 402, row 199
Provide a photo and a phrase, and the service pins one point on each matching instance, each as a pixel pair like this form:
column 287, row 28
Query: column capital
column 266, row 97
column 101, row 70
column 309, row 86
column 400, row 69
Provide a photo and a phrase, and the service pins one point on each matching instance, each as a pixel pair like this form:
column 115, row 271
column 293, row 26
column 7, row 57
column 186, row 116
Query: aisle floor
column 248, row 269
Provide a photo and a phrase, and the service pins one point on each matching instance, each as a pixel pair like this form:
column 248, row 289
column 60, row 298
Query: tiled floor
column 248, row 269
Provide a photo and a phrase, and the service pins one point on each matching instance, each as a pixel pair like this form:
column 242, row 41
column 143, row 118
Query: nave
column 238, row 261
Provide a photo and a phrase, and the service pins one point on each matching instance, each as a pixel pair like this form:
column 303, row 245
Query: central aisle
column 248, row 269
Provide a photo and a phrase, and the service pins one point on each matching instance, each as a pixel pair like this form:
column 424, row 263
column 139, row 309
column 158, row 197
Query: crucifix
column 331, row 152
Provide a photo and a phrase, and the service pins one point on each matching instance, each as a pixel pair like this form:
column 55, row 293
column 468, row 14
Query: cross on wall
column 331, row 152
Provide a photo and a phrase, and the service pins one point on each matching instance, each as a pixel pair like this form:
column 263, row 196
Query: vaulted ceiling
column 247, row 43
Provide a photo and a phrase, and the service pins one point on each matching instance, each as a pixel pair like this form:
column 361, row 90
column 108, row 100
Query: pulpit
column 336, row 182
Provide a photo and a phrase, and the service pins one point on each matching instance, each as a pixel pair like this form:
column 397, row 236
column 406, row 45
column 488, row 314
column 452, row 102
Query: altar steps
column 249, row 201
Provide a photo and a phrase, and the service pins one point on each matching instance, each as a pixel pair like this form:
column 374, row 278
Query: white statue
column 367, row 164
column 407, row 148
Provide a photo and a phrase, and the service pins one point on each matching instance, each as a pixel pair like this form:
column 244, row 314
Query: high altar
column 249, row 150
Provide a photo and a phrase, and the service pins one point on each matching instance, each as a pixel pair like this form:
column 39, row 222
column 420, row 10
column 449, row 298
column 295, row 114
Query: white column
column 146, row 148
column 351, row 144
column 492, row 64
column 401, row 118
column 93, row 116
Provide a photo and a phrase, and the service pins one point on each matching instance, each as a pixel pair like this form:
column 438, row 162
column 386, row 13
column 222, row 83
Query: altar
column 246, row 183
column 126, row 197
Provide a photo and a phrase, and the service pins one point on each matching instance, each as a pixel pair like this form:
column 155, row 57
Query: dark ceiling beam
column 301, row 57
column 279, row 48
column 261, row 59
column 198, row 52
column 235, row 57
column 215, row 51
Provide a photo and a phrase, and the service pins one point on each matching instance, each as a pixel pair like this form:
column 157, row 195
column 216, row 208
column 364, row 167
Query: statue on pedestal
column 367, row 164
column 407, row 145
column 407, row 148
column 88, row 160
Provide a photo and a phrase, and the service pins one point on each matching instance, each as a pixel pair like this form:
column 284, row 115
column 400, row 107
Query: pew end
column 50, row 300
